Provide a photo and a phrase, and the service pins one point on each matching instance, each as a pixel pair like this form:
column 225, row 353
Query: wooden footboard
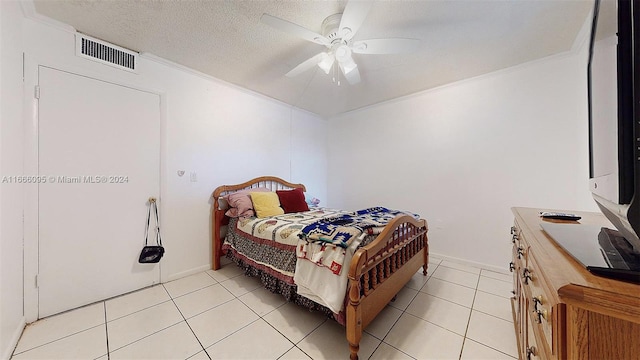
column 380, row 269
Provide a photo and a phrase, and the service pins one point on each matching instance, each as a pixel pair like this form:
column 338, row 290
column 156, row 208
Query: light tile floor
column 456, row 312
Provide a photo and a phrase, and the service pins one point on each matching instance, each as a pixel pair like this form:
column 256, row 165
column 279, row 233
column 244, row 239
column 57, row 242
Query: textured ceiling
column 225, row 39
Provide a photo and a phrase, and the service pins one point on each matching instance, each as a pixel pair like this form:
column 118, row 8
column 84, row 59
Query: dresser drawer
column 539, row 304
column 520, row 246
column 532, row 350
column 561, row 310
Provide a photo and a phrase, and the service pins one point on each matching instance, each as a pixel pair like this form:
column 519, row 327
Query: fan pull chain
column 336, row 73
column 333, row 68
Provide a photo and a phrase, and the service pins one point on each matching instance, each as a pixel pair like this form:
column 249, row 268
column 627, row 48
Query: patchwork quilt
column 324, row 241
column 308, row 249
column 269, row 243
column 329, row 243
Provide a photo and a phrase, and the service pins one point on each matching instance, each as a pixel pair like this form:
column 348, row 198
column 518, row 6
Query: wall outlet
column 193, row 176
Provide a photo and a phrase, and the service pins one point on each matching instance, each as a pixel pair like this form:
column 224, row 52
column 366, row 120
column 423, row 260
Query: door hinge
column 36, row 281
column 36, row 93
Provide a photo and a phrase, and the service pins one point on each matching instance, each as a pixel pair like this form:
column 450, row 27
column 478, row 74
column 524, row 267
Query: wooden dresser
column 562, row 311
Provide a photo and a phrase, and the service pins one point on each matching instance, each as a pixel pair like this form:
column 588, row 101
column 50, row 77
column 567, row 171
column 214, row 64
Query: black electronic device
column 602, row 251
column 559, row 216
column 614, row 130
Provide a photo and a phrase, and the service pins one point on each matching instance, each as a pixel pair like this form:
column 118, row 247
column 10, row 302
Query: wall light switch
column 193, row 176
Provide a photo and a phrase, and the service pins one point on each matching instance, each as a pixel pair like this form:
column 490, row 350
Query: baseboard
column 186, row 273
column 498, row 269
column 6, row 353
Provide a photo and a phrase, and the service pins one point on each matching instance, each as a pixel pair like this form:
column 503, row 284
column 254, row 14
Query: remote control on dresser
column 559, row 216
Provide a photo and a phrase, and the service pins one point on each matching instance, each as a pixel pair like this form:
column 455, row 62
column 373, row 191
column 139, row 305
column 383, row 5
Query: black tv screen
column 614, row 116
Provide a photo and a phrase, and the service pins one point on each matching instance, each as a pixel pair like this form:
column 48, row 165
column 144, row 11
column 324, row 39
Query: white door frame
column 31, row 165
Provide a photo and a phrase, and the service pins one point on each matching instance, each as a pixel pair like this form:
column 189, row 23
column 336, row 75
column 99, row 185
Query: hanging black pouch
column 152, row 253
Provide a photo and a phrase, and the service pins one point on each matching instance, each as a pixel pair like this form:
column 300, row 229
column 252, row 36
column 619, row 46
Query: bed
column 374, row 272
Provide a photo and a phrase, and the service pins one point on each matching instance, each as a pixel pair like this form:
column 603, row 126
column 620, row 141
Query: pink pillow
column 292, row 200
column 240, row 203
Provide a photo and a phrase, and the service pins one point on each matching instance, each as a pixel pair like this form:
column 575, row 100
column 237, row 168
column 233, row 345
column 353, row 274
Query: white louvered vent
column 106, row 53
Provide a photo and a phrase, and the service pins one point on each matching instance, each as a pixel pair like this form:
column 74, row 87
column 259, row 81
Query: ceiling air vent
column 106, row 53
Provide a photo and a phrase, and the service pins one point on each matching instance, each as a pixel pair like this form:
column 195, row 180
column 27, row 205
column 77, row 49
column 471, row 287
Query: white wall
column 462, row 155
column 309, row 154
column 11, row 195
column 224, row 134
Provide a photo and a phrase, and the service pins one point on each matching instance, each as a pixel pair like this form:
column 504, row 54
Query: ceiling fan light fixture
column 337, row 33
column 327, row 62
column 343, row 53
column 348, row 66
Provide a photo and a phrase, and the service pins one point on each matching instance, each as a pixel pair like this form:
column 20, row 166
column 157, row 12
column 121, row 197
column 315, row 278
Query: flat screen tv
column 614, row 131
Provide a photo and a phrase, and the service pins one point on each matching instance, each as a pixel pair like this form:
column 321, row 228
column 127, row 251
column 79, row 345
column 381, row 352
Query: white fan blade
column 347, row 65
column 294, row 29
column 306, row 65
column 385, row 46
column 352, row 75
column 353, row 16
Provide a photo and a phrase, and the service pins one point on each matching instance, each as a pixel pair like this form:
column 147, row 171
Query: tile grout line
column 187, row 323
column 234, row 298
column 261, row 317
column 56, row 340
column 417, row 317
column 482, row 312
column 472, row 302
column 157, row 331
column 294, row 344
column 137, row 311
column 106, row 329
column 469, row 321
column 479, row 273
column 464, row 338
column 391, row 328
column 147, row 336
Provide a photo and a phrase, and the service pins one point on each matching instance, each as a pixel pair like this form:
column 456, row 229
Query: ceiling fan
column 337, row 35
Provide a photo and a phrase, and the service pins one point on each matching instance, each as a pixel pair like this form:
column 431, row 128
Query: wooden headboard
column 219, row 219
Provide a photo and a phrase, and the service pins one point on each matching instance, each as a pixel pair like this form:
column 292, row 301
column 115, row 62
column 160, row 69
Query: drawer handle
column 526, row 275
column 541, row 314
column 531, row 351
column 537, row 300
column 512, row 266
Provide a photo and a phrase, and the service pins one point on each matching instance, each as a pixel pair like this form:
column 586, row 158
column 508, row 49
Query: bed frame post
column 217, row 217
column 426, row 259
column 216, row 245
column 380, row 269
column 354, row 319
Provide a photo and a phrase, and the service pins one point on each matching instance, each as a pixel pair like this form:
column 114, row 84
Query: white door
column 99, row 149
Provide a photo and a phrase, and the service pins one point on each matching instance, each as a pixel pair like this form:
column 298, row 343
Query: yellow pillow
column 266, row 204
